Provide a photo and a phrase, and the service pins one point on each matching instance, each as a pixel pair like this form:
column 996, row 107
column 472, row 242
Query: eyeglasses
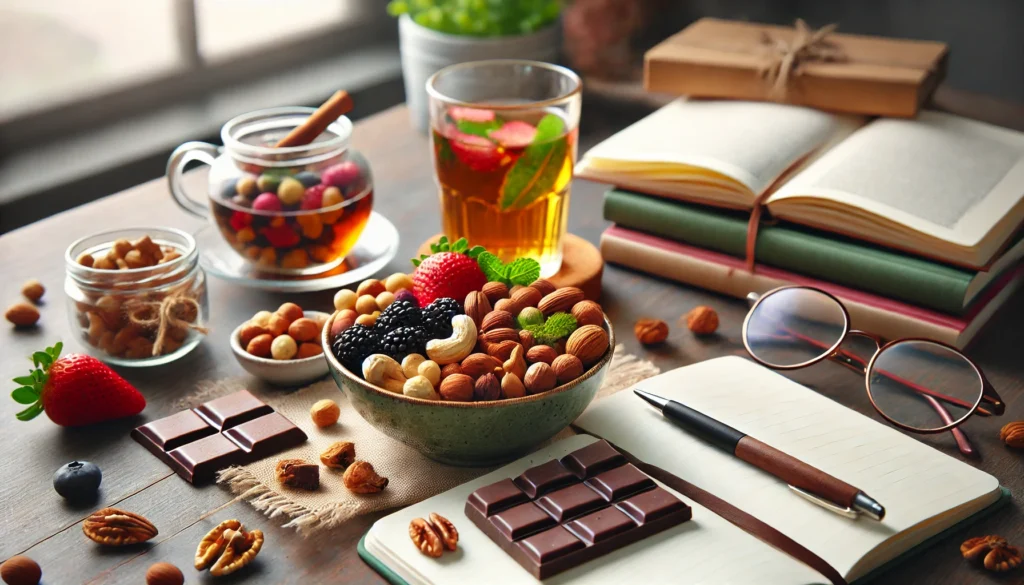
column 918, row 385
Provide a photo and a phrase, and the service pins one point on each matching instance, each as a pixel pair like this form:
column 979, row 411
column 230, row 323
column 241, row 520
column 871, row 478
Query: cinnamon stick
column 334, row 108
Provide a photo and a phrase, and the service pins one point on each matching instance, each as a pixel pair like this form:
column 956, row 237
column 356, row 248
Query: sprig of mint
column 460, row 246
column 482, row 129
column 556, row 327
column 536, row 171
column 521, row 271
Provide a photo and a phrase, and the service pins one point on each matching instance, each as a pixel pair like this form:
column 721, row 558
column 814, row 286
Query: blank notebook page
column 914, row 482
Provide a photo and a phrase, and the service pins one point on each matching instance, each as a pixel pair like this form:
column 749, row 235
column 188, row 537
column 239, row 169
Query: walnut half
column 996, row 554
column 229, row 547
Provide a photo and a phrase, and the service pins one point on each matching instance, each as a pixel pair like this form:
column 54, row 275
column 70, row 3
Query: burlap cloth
column 412, row 477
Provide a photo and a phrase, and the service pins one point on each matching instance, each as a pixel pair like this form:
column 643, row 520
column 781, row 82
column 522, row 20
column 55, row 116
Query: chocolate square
column 539, row 480
column 232, row 410
column 498, row 496
column 266, row 435
column 198, row 461
column 621, row 482
column 593, row 459
column 173, row 431
column 522, row 520
column 568, row 503
column 601, row 525
column 550, row 545
column 652, row 505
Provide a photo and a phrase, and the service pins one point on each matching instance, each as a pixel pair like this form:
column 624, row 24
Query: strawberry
column 471, row 114
column 514, row 134
column 476, row 152
column 452, row 271
column 75, row 390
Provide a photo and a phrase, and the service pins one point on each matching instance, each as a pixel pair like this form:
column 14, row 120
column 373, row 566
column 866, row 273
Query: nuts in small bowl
column 281, row 347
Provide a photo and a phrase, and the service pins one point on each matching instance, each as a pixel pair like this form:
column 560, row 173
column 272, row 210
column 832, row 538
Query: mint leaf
column 25, row 395
column 522, row 271
column 560, row 325
column 492, row 267
column 536, row 171
column 478, row 128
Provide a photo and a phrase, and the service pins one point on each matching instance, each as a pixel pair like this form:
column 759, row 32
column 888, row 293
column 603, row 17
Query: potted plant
column 436, row 33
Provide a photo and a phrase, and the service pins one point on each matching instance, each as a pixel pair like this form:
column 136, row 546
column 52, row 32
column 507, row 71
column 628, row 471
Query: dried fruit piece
column 650, row 331
column 339, row 455
column 115, row 527
column 360, row 478
column 994, row 552
column 702, row 320
column 1012, row 434
column 446, row 530
column 425, row 538
column 297, row 473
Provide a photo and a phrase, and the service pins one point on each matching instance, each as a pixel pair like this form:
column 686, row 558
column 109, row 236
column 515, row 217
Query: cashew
column 420, row 387
column 411, row 364
column 458, row 346
column 431, row 371
column 381, row 370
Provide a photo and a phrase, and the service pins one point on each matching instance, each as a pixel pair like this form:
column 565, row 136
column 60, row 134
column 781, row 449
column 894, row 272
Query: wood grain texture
column 795, row 472
column 37, row 521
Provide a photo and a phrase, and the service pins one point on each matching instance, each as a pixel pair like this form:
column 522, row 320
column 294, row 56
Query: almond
column 499, row 334
column 450, row 370
column 541, row 354
column 506, row 305
column 526, row 297
column 562, row 299
column 503, row 349
column 22, row 315
column 478, row 364
column 512, row 387
column 588, row 313
column 497, row 320
column 495, row 291
column 477, row 307
column 543, row 286
column 589, row 343
column 526, row 339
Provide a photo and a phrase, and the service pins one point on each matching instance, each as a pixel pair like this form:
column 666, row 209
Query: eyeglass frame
column 836, row 353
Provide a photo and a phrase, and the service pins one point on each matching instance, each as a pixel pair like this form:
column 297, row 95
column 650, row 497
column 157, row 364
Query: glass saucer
column 376, row 247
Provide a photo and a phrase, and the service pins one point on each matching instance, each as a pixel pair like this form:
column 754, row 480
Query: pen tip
column 653, row 399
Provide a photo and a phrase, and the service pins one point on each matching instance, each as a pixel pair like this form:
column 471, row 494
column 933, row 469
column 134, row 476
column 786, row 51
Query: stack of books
column 914, row 224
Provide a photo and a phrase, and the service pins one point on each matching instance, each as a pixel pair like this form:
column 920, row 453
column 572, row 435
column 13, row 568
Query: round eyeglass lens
column 924, row 385
column 794, row 326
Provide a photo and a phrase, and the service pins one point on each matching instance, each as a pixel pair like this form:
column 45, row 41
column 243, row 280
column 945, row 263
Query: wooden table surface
column 37, row 522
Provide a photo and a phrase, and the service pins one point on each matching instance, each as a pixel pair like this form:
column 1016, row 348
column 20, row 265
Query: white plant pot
column 426, row 51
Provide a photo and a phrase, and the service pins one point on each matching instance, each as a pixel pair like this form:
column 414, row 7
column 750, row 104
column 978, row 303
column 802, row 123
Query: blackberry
column 437, row 317
column 399, row 314
column 403, row 341
column 354, row 345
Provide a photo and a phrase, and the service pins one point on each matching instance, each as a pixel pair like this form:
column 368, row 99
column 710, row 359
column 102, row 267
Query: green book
column 812, row 253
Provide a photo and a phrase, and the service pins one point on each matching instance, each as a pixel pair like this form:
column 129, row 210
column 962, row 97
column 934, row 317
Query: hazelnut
column 589, row 343
column 512, row 387
column 283, row 347
column 495, row 291
column 22, row 315
column 164, row 574
column 303, row 329
column 248, row 332
column 702, row 320
column 367, row 320
column 502, row 349
column 120, row 248
column 497, row 320
column 278, row 324
column 544, row 286
column 262, row 319
column 487, row 387
column 308, row 350
column 476, row 307
column 290, row 312
column 530, row 316
column 567, row 368
column 397, row 282
column 588, row 313
column 345, row 299
column 385, row 299
column 540, row 378
column 457, row 387
column 449, row 370
column 370, row 286
column 366, row 304
column 33, row 290
column 526, row 297
column 325, row 412
column 431, row 371
column 650, row 331
column 86, row 259
column 20, row 570
column 541, row 354
column 526, row 339
column 342, row 321
column 478, row 364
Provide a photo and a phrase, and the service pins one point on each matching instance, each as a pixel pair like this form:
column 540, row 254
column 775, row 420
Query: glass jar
column 136, row 297
column 294, row 210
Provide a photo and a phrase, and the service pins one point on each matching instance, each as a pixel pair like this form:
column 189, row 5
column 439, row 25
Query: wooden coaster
column 582, row 265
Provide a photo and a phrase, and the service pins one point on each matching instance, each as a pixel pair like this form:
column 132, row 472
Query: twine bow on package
column 797, row 65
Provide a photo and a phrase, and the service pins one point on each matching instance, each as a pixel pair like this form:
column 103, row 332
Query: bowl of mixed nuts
column 282, row 347
column 464, row 367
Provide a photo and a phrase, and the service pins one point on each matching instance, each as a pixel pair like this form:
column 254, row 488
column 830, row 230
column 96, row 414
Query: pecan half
column 994, row 552
column 445, row 529
column 229, row 547
column 114, row 527
column 425, row 538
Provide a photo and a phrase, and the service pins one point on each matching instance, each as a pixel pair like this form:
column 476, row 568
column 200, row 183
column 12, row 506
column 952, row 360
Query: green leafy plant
column 522, row 271
column 557, row 326
column 461, row 246
column 30, row 390
column 480, row 18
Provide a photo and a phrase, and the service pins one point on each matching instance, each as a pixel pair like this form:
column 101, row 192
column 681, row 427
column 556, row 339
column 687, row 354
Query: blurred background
column 97, row 93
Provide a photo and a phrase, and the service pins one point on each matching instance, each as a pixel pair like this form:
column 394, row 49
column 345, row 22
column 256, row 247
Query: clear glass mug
column 294, row 210
column 504, row 140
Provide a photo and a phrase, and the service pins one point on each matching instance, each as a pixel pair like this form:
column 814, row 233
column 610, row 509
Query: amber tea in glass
column 504, row 140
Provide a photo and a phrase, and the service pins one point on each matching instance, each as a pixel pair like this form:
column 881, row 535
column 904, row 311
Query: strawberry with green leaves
column 75, row 390
column 450, row 271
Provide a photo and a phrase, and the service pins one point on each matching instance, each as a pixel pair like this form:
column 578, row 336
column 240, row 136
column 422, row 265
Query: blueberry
column 78, row 480
column 308, row 178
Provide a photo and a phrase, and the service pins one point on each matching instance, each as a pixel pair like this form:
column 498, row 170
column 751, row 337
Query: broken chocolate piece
column 299, row 474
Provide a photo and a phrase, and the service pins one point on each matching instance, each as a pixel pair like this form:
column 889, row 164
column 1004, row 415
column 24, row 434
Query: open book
column 939, row 186
column 924, row 491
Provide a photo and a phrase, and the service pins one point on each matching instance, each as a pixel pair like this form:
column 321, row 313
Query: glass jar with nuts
column 136, row 297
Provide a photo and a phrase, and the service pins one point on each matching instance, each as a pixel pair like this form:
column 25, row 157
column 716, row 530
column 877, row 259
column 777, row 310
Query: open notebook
column 924, row 491
column 939, row 186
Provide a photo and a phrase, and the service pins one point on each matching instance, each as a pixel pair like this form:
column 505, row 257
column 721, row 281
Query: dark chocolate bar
column 563, row 513
column 231, row 430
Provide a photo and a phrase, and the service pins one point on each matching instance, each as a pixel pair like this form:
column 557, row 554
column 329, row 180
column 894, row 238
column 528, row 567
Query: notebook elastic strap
column 741, row 519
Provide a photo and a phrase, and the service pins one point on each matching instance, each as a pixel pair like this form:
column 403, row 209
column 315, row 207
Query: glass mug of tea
column 293, row 210
column 504, row 141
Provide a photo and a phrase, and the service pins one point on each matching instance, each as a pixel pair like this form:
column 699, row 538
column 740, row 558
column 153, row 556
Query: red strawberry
column 446, row 274
column 471, row 114
column 75, row 390
column 476, row 152
column 514, row 134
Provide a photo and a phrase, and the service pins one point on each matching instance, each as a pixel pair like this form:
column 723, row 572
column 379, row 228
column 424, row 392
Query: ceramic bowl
column 281, row 372
column 470, row 434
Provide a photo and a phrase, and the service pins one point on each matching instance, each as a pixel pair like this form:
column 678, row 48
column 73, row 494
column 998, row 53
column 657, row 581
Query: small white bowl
column 281, row 372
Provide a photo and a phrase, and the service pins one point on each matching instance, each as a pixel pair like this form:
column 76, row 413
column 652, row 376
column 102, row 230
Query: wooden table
column 38, row 523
